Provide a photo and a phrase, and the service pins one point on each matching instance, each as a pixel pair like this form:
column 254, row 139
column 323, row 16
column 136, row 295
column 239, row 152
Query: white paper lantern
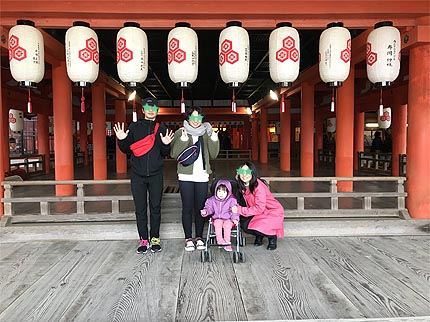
column 383, row 54
column 331, row 125
column 234, row 54
column 334, row 54
column 16, row 120
column 384, row 120
column 132, row 54
column 284, row 54
column 26, row 56
column 82, row 56
column 182, row 57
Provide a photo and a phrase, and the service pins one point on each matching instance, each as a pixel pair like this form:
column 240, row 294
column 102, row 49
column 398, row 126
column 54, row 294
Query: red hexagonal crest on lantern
column 91, row 44
column 288, row 42
column 368, row 48
column 173, row 44
column 11, row 118
column 345, row 55
column 226, row 46
column 221, row 59
column 371, row 58
column 385, row 117
column 232, row 57
column 19, row 53
column 96, row 57
column 294, row 55
column 85, row 55
column 126, row 55
column 121, row 44
column 282, row 55
column 179, row 56
column 169, row 57
column 13, row 42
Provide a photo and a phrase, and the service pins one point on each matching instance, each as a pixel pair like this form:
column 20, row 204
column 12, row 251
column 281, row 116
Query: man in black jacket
column 148, row 146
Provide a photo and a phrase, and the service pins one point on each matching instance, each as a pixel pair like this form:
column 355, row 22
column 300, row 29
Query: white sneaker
column 189, row 245
column 200, row 244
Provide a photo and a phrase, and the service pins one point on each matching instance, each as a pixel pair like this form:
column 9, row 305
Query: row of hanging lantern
column 26, row 55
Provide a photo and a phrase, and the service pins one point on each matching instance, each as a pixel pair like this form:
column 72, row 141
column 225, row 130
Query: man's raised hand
column 119, row 131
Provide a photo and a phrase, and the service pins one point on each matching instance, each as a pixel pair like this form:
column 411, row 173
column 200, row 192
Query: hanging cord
column 233, row 102
column 29, row 105
column 182, row 102
column 332, row 100
column 381, row 106
column 82, row 101
column 282, row 103
column 134, row 110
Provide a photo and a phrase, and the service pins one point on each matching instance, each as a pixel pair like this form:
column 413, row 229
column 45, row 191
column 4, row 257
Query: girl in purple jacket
column 219, row 206
column 263, row 215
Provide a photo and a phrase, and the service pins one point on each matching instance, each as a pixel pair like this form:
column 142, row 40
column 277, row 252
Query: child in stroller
column 223, row 223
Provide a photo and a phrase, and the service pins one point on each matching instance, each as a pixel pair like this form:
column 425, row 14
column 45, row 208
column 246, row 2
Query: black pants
column 244, row 223
column 141, row 187
column 193, row 195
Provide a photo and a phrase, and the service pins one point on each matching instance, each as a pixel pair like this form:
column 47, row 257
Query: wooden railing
column 32, row 164
column 305, row 197
column 375, row 163
column 234, row 154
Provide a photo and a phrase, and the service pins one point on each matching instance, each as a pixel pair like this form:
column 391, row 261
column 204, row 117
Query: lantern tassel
column 134, row 111
column 182, row 102
column 381, row 106
column 233, row 103
column 82, row 101
column 282, row 103
column 29, row 105
column 332, row 101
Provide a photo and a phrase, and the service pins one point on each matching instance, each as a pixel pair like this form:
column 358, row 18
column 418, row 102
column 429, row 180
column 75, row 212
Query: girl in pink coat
column 263, row 214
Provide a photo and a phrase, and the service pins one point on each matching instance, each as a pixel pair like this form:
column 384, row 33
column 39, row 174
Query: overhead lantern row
column 26, row 56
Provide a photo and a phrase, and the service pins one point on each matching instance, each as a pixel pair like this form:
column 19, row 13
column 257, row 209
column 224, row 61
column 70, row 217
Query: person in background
column 194, row 178
column 219, row 206
column 263, row 215
column 149, row 143
column 377, row 143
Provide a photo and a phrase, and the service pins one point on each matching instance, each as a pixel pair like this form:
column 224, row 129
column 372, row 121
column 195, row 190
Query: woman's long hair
column 253, row 183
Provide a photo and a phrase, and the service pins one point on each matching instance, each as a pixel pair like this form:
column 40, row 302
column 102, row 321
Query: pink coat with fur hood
column 267, row 211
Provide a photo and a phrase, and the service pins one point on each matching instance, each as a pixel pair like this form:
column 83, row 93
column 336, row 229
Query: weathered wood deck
column 336, row 278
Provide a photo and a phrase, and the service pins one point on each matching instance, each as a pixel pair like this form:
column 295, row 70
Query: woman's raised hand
column 119, row 131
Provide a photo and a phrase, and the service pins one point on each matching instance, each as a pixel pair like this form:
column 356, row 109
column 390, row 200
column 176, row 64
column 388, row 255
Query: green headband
column 243, row 171
column 195, row 118
column 150, row 108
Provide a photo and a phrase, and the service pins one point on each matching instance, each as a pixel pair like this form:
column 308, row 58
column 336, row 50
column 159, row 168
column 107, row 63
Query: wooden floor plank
column 28, row 264
column 140, row 287
column 390, row 258
column 375, row 294
column 9, row 248
column 209, row 291
column 286, row 284
column 51, row 295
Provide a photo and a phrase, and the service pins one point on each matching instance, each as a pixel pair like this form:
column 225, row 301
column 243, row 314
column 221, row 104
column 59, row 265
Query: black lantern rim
column 234, row 23
column 335, row 24
column 81, row 23
column 24, row 22
column 383, row 24
column 183, row 24
column 131, row 24
column 284, row 24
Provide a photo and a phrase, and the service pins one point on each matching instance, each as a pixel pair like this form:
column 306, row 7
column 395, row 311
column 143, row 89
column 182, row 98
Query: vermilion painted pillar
column 318, row 135
column 254, row 150
column 285, row 142
column 358, row 136
column 63, row 142
column 398, row 132
column 43, row 139
column 263, row 135
column 99, row 131
column 345, row 132
column 121, row 158
column 418, row 152
column 83, row 136
column 246, row 134
column 4, row 142
column 307, row 131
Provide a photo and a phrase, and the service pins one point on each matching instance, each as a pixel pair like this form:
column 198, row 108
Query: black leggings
column 193, row 195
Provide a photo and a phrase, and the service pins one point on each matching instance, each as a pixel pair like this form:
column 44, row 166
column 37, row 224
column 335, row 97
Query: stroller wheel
column 241, row 257
column 235, row 257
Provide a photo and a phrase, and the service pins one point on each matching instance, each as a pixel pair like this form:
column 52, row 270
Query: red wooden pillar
column 121, row 158
column 358, row 136
column 398, row 130
column 285, row 142
column 418, row 138
column 4, row 141
column 254, row 150
column 307, row 131
column 263, row 135
column 43, row 139
column 99, row 131
column 63, row 143
column 318, row 135
column 83, row 136
column 246, row 134
column 345, row 132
